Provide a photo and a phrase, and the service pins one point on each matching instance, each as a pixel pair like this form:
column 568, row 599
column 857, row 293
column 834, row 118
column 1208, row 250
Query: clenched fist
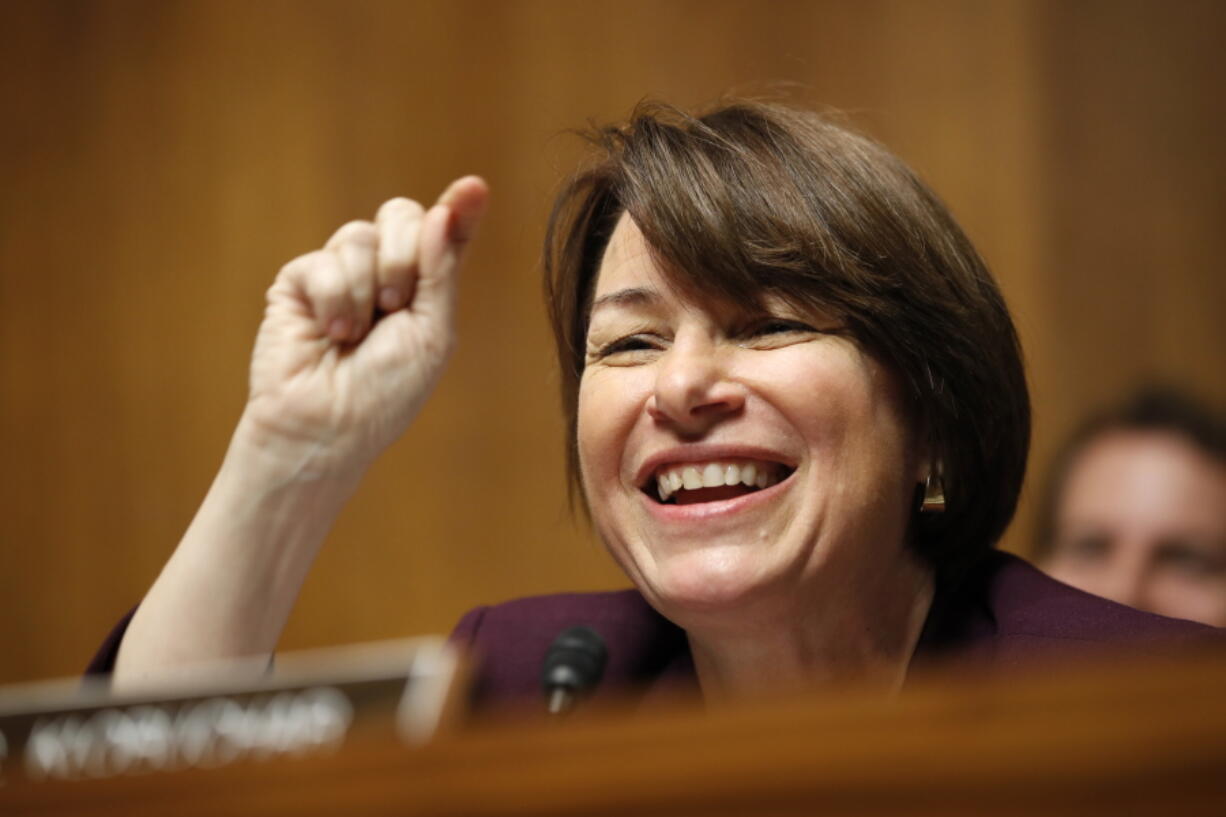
column 355, row 335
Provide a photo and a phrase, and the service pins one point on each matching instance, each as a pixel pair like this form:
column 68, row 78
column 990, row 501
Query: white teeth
column 714, row 475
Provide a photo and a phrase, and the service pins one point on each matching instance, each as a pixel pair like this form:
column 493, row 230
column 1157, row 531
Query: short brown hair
column 752, row 198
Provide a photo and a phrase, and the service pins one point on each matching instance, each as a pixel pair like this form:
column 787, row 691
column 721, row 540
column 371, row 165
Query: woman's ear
column 925, row 454
column 929, row 473
column 925, row 464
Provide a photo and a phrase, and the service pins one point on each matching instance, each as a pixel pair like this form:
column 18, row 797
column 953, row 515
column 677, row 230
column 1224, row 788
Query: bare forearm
column 231, row 583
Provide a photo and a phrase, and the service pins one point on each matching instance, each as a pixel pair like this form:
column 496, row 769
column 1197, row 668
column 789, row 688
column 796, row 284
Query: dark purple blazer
column 1003, row 613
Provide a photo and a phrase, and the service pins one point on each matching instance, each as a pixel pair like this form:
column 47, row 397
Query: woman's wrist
column 271, row 460
column 276, row 502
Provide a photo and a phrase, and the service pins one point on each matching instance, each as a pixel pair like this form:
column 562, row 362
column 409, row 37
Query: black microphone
column 572, row 668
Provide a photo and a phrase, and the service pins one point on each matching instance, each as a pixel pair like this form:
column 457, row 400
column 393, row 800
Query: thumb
column 446, row 230
column 467, row 199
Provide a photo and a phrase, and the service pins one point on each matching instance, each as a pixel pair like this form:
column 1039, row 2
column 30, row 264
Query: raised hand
column 356, row 335
column 354, row 338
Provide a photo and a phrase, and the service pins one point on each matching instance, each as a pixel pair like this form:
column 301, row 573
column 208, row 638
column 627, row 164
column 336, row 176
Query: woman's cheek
column 598, row 449
column 609, row 406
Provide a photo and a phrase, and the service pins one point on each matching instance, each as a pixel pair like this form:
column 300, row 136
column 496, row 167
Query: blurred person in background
column 1135, row 508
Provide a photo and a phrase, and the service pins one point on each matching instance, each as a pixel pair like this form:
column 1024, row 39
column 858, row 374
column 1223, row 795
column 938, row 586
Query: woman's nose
column 692, row 390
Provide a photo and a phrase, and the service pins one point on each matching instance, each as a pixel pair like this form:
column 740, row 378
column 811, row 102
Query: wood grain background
column 161, row 160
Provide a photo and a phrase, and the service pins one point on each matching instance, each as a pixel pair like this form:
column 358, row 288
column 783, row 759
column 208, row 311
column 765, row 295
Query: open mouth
column 694, row 482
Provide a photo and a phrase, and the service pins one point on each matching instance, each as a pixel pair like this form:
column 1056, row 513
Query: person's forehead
column 627, row 262
column 1125, row 451
column 631, row 276
column 1149, row 478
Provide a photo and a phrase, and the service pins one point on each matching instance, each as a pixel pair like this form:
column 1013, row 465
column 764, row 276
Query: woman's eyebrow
column 631, row 296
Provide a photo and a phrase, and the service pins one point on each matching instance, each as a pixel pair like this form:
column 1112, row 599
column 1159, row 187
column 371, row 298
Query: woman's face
column 782, row 453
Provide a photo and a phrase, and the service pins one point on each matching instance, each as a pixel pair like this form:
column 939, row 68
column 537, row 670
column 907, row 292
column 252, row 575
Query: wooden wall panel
column 1134, row 200
column 161, row 160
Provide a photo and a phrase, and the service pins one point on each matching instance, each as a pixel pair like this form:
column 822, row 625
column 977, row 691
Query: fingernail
column 389, row 299
column 339, row 329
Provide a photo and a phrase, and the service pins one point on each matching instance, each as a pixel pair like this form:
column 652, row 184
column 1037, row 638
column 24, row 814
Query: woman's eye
column 626, row 346
column 776, row 330
column 1088, row 548
column 1189, row 560
column 775, row 327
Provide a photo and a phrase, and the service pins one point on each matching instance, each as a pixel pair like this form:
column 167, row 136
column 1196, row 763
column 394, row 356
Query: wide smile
column 718, row 503
column 694, row 483
column 703, row 481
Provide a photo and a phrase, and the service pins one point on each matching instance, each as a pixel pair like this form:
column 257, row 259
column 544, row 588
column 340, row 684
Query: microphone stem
column 561, row 699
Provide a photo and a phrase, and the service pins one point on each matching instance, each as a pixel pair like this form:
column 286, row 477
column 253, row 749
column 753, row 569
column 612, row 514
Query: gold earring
column 934, row 494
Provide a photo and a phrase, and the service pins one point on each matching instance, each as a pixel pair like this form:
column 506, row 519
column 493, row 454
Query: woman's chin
column 706, row 586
